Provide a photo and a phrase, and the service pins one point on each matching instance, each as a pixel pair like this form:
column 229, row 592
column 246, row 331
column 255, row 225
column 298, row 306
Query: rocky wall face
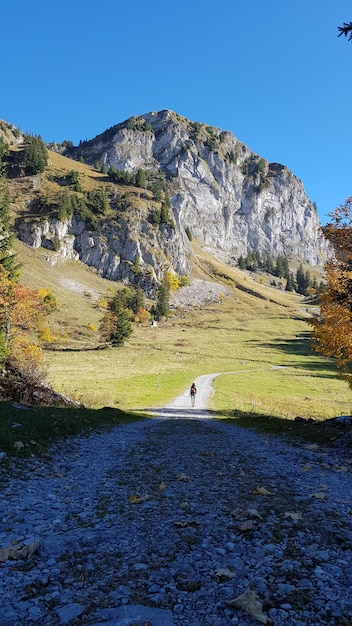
column 226, row 196
column 218, row 190
column 113, row 251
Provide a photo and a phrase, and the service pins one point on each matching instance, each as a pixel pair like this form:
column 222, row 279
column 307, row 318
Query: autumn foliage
column 333, row 327
column 22, row 313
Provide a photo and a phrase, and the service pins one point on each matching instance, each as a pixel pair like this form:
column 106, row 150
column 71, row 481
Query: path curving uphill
column 181, row 406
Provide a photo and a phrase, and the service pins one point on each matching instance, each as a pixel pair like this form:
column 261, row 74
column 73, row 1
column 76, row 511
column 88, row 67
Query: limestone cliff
column 217, row 191
column 227, row 196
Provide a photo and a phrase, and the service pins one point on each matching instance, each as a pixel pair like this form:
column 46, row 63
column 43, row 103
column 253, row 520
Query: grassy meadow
column 258, row 338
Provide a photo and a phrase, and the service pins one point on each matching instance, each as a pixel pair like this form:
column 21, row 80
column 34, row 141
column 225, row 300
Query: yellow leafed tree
column 333, row 327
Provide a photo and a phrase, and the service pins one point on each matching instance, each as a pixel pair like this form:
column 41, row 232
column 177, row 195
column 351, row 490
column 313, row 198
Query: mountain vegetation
column 107, row 247
column 333, row 325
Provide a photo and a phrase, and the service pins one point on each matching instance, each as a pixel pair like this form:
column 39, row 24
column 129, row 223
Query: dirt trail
column 181, row 406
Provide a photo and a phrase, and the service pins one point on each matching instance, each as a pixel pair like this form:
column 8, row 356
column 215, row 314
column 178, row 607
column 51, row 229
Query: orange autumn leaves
column 22, row 313
column 333, row 327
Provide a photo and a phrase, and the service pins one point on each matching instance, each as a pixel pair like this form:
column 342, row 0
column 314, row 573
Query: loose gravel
column 169, row 520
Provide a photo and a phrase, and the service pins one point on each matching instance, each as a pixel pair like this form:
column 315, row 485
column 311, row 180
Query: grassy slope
column 259, row 338
column 258, row 335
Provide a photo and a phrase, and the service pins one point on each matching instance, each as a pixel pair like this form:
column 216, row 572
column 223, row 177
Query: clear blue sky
column 273, row 72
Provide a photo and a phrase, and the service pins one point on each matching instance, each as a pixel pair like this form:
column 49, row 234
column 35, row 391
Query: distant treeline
column 300, row 281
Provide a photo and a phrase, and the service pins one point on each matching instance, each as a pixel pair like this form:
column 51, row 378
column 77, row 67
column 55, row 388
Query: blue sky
column 273, row 72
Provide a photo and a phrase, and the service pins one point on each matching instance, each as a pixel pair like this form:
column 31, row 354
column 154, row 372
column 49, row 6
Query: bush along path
column 177, row 520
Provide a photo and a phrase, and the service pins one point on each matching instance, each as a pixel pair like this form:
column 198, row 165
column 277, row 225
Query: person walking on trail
column 193, row 394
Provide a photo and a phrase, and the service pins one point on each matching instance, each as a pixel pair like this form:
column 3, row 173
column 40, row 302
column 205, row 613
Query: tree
column 8, row 260
column 22, row 313
column 162, row 306
column 120, row 327
column 332, row 335
column 4, row 149
column 345, row 30
column 280, row 267
column 164, row 213
column 141, row 178
column 241, row 263
column 34, row 155
column 137, row 299
column 290, row 283
column 116, row 327
column 303, row 280
column 137, row 265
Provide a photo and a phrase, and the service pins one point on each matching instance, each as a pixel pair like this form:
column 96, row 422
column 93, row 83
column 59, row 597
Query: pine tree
column 116, row 327
column 122, row 328
column 241, row 263
column 162, row 307
column 280, row 266
column 300, row 279
column 137, row 299
column 34, row 155
column 303, row 280
column 290, row 283
column 8, row 260
column 164, row 213
column 141, row 179
column 137, row 265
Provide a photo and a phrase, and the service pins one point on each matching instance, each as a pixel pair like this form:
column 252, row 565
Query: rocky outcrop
column 220, row 192
column 114, row 250
column 10, row 134
column 224, row 194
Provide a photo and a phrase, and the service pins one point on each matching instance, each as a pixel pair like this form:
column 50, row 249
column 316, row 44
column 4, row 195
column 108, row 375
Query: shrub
column 142, row 316
column 102, row 302
column 188, row 233
column 46, row 335
column 172, row 280
column 48, row 298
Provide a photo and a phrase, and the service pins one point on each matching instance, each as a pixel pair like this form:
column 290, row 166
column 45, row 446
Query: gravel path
column 169, row 521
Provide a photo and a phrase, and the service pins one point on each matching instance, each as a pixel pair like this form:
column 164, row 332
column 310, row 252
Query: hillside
column 81, row 232
column 140, row 191
column 225, row 321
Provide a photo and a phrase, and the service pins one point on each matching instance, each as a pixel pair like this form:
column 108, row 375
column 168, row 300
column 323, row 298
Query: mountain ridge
column 228, row 180
column 209, row 185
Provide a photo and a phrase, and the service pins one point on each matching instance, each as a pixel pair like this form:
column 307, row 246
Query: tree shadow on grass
column 301, row 346
column 27, row 430
column 295, row 431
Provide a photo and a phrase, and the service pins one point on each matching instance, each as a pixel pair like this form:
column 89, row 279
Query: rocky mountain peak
column 223, row 193
column 209, row 185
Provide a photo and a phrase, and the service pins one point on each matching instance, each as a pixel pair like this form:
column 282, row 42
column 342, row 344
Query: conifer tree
column 290, row 283
column 137, row 299
column 8, row 259
column 116, row 327
column 241, row 263
column 34, row 155
column 162, row 307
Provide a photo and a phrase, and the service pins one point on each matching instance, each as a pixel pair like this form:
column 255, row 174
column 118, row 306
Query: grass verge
column 323, row 433
column 25, row 431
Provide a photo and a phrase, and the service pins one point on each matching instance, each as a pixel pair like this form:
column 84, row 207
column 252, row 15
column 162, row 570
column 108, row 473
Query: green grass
column 264, row 349
column 258, row 337
column 322, row 432
column 36, row 428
